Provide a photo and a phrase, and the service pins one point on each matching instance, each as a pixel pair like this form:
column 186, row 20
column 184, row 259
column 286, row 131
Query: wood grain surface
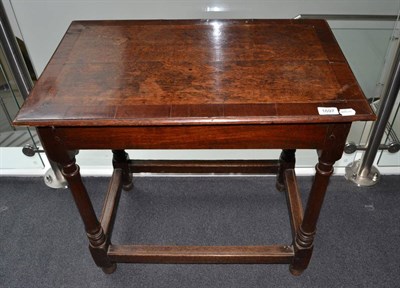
column 113, row 73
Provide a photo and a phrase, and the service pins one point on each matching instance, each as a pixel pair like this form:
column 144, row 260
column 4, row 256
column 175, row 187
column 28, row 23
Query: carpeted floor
column 43, row 244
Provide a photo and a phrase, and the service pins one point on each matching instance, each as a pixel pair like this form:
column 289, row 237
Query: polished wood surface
column 112, row 73
column 273, row 254
column 217, row 84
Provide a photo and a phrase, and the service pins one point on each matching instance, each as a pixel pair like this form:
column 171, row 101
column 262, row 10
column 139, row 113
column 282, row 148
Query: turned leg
column 98, row 242
column 121, row 160
column 303, row 243
column 286, row 161
column 332, row 151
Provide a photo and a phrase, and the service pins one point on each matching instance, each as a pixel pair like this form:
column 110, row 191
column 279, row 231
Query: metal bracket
column 352, row 174
column 352, row 147
column 30, row 150
column 53, row 177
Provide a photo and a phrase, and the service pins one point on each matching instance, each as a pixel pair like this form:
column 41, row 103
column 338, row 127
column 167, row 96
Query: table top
column 194, row 72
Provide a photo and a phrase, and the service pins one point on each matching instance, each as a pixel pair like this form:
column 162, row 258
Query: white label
column 328, row 111
column 347, row 112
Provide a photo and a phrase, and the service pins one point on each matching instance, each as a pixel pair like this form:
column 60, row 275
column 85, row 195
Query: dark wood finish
column 287, row 160
column 111, row 201
column 293, row 198
column 332, row 152
column 98, row 241
column 121, row 161
column 136, row 73
column 273, row 254
column 305, row 136
column 206, row 166
column 193, row 84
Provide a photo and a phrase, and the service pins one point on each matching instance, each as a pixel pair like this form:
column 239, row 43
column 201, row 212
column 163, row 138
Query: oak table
column 197, row 84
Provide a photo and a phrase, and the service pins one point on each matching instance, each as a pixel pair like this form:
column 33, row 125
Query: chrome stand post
column 362, row 172
column 13, row 55
column 53, row 177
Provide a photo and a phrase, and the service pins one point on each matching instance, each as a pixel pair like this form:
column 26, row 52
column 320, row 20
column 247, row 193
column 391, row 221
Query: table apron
column 295, row 136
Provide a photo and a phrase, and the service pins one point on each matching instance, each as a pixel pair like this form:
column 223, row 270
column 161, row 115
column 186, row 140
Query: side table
column 197, row 84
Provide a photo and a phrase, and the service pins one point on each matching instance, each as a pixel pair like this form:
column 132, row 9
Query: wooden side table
column 212, row 84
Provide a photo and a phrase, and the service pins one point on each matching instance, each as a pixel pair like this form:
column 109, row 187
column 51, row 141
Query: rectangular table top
column 194, row 72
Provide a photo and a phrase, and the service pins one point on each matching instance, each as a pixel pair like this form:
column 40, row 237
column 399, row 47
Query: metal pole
column 53, row 177
column 13, row 55
column 362, row 172
column 384, row 112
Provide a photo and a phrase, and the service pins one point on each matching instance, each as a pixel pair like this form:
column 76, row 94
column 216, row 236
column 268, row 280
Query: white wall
column 42, row 23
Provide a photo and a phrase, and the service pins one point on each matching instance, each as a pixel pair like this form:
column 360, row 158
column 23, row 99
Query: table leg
column 303, row 242
column 98, row 241
column 287, row 160
column 121, row 160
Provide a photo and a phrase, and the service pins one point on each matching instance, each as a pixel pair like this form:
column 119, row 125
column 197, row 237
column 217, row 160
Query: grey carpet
column 43, row 244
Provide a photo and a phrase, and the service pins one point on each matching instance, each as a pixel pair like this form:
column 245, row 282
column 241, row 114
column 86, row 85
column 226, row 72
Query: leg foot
column 127, row 187
column 109, row 270
column 295, row 272
column 280, row 187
